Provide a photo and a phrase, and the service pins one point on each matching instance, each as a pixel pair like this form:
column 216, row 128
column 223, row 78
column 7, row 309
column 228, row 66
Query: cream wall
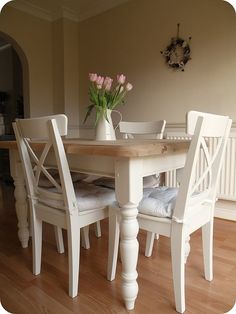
column 58, row 68
column 66, row 70
column 50, row 50
column 34, row 36
column 71, row 72
column 129, row 38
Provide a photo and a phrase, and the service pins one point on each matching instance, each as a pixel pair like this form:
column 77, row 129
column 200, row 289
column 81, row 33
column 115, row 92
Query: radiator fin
column 227, row 182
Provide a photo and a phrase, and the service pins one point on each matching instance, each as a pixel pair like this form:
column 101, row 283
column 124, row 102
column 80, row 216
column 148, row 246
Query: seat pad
column 158, row 202
column 89, row 196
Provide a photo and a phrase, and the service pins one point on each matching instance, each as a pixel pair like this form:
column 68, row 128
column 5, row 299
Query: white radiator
column 227, row 182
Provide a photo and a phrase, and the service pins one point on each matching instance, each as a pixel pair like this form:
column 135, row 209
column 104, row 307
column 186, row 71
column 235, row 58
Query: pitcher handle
column 120, row 118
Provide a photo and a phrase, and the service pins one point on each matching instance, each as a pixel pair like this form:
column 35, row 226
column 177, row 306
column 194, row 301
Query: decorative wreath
column 177, row 54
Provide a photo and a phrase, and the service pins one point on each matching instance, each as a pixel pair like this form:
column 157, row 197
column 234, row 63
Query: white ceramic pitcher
column 105, row 129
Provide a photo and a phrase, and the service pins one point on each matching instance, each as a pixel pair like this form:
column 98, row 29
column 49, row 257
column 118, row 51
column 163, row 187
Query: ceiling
column 75, row 9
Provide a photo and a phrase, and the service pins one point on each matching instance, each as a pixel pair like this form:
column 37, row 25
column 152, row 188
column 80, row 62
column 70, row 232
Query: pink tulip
column 107, row 83
column 121, row 79
column 107, row 80
column 93, row 77
column 128, row 87
column 99, row 80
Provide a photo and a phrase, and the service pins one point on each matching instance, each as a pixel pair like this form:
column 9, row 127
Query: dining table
column 128, row 161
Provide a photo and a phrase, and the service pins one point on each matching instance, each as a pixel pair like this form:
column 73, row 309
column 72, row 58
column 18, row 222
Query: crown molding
column 31, row 9
column 44, row 14
column 65, row 12
column 101, row 7
column 70, row 14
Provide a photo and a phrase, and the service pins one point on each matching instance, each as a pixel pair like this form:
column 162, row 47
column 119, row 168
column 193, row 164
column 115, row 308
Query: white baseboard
column 226, row 210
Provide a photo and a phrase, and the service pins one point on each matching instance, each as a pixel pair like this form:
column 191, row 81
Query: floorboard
column 21, row 292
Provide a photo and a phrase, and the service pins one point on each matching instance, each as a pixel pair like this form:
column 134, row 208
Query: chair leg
column 85, row 237
column 37, row 245
column 73, row 233
column 149, row 243
column 59, row 239
column 187, row 248
column 178, row 265
column 98, row 231
column 114, row 235
column 207, row 243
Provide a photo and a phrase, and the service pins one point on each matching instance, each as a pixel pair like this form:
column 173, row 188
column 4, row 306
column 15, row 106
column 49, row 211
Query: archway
column 14, row 94
column 16, row 89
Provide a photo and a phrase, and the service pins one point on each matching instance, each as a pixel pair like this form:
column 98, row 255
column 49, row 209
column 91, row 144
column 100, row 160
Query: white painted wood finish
column 192, row 210
column 67, row 215
column 20, row 194
column 113, row 159
column 132, row 129
column 149, row 129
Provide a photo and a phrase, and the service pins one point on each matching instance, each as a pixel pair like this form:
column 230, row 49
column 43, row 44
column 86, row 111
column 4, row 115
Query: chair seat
column 89, row 196
column 158, row 202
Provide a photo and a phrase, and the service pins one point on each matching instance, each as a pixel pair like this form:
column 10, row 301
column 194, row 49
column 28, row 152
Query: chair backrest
column 49, row 130
column 129, row 129
column 202, row 126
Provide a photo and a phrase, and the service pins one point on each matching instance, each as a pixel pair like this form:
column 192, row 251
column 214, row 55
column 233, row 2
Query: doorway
column 11, row 88
column 13, row 83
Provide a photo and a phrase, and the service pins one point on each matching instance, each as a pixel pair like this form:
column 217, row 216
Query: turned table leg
column 129, row 193
column 20, row 198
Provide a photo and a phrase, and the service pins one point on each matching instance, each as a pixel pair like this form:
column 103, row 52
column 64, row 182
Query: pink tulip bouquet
column 104, row 96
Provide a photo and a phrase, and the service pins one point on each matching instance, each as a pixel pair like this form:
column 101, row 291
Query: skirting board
column 225, row 210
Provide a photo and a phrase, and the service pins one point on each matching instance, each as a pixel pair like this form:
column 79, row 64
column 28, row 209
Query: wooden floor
column 21, row 292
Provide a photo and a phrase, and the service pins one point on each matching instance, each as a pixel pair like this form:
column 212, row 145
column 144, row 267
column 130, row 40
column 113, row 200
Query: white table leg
column 129, row 193
column 20, row 198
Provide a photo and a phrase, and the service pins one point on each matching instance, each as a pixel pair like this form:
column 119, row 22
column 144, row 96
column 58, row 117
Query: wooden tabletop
column 119, row 148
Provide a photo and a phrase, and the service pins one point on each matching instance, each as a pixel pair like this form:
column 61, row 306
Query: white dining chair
column 176, row 213
column 149, row 129
column 66, row 206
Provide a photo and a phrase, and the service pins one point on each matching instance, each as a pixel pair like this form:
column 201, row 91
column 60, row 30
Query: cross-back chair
column 64, row 205
column 134, row 129
column 191, row 207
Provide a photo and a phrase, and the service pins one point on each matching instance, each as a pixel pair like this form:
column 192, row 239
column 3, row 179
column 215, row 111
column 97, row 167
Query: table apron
column 105, row 165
